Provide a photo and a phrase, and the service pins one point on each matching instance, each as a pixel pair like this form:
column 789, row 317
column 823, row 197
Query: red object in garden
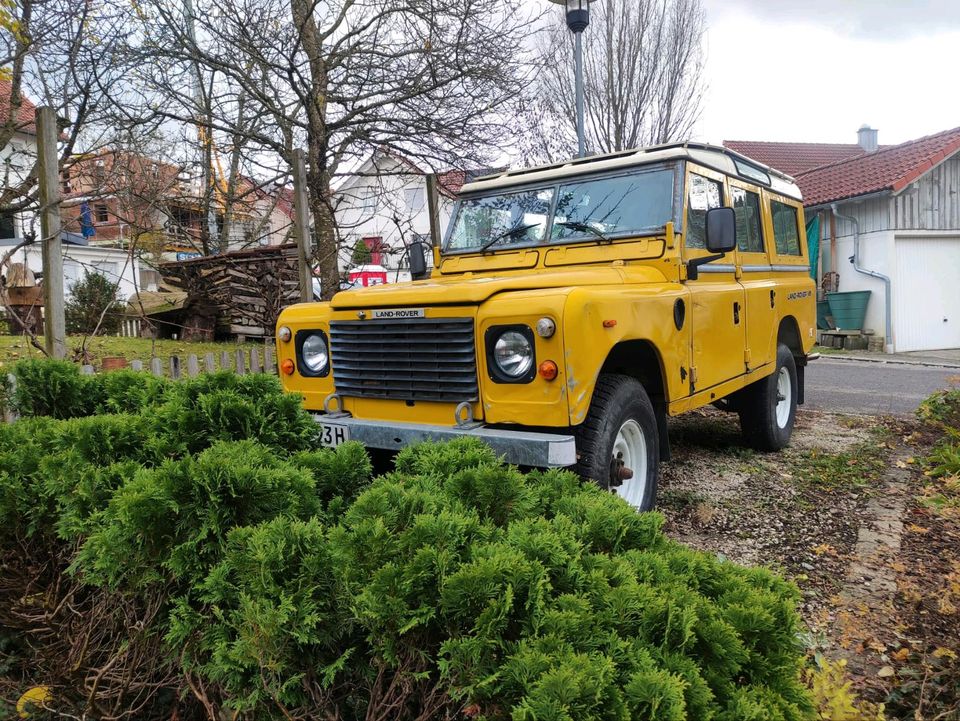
column 368, row 275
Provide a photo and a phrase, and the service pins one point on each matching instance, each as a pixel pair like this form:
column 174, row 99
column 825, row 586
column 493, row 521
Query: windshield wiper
column 584, row 228
column 507, row 234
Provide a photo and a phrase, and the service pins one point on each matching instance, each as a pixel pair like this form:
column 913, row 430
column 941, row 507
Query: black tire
column 758, row 406
column 617, row 399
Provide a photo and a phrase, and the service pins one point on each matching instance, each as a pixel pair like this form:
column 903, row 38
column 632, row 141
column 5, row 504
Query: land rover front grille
column 419, row 359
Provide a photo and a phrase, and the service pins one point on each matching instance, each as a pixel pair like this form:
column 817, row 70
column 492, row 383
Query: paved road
column 872, row 388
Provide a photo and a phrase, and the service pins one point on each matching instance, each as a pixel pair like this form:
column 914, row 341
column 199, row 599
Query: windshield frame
column 677, row 167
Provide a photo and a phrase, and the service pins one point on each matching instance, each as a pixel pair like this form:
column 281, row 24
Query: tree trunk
column 318, row 174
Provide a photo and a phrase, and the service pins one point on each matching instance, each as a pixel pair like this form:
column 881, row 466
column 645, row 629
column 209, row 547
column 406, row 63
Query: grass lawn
column 13, row 348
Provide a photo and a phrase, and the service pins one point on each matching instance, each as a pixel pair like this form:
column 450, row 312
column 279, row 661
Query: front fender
column 595, row 320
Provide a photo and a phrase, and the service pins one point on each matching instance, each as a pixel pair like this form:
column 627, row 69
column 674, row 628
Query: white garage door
column 926, row 294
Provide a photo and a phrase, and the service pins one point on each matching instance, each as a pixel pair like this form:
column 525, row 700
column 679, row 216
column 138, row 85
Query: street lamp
column 578, row 18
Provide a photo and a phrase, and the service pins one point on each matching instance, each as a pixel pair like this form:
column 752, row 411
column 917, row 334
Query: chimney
column 867, row 138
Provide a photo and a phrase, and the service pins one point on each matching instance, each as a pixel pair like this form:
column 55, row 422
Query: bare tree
column 429, row 79
column 643, row 79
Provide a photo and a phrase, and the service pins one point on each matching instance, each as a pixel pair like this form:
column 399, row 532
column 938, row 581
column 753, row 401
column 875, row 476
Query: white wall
column 877, row 252
column 115, row 264
column 384, row 189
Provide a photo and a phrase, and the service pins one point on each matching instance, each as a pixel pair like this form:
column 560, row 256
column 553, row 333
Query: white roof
column 368, row 269
column 711, row 156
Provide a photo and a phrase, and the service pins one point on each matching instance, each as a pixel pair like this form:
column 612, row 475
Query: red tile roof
column 892, row 167
column 794, row 158
column 24, row 121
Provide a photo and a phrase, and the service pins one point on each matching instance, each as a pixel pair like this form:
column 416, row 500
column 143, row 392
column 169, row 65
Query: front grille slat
column 430, row 359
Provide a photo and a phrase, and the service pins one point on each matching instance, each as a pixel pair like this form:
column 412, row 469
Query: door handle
column 736, row 313
column 773, row 298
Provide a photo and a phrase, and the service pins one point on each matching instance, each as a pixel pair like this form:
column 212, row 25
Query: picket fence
column 239, row 361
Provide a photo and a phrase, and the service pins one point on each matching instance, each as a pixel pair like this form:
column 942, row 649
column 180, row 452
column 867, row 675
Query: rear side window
column 705, row 194
column 785, row 229
column 746, row 206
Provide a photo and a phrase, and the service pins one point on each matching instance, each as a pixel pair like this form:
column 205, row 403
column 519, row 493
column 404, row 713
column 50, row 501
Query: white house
column 383, row 205
column 17, row 158
column 117, row 265
column 896, row 208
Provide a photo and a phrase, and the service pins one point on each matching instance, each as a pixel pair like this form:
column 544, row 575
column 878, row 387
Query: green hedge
column 277, row 580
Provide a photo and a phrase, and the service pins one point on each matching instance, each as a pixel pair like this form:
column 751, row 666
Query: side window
column 785, row 229
column 704, row 195
column 746, row 206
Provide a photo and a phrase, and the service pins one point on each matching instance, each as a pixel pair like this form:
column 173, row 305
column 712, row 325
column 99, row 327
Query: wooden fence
column 240, row 361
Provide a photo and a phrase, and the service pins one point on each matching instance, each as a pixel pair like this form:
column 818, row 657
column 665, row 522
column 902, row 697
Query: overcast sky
column 816, row 70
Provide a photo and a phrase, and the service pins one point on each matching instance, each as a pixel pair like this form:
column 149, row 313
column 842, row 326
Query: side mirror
column 721, row 230
column 418, row 261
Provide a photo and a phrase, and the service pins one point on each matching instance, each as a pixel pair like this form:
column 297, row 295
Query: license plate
column 333, row 434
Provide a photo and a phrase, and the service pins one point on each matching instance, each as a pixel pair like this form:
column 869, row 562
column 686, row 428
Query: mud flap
column 661, row 413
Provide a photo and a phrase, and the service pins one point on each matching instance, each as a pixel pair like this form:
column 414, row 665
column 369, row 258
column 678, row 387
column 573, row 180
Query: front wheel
column 617, row 445
column 769, row 406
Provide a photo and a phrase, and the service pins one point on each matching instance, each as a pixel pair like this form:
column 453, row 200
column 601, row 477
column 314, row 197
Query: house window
column 66, row 181
column 100, row 213
column 99, row 172
column 705, row 194
column 7, row 228
column 746, row 206
column 785, row 229
column 369, row 201
column 377, row 249
column 414, row 199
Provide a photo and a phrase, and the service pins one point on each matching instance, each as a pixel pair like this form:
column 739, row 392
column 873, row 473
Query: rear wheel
column 617, row 444
column 768, row 407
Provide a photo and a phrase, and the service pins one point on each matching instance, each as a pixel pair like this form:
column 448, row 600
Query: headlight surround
column 511, row 354
column 313, row 353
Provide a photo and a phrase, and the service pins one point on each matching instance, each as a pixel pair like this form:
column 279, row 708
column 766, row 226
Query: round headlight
column 513, row 354
column 315, row 354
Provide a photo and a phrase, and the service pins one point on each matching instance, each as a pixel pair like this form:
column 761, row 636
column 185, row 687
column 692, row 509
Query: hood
column 468, row 289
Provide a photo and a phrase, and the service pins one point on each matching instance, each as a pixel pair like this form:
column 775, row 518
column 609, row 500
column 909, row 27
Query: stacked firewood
column 244, row 290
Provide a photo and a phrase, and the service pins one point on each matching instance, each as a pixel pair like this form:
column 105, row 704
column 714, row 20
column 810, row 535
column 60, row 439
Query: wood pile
column 241, row 292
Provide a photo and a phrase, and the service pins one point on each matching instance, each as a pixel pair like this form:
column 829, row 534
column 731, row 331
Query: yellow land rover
column 572, row 309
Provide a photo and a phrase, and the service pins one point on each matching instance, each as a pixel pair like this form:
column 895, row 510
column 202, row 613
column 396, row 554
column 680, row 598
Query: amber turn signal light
column 287, row 366
column 548, row 370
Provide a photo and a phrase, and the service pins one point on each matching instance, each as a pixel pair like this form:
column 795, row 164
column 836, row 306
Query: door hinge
column 693, row 379
column 746, row 358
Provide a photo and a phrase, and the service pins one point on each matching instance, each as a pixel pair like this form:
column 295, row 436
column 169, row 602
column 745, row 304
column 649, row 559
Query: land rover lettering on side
column 571, row 310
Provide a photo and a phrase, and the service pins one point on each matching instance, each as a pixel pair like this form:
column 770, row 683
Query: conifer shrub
column 170, row 523
column 218, row 555
column 479, row 588
column 224, row 406
column 53, row 388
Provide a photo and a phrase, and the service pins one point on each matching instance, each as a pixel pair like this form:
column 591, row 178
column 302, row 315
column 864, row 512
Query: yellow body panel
column 602, row 297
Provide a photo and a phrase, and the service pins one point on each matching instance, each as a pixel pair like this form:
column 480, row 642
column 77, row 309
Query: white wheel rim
column 632, row 444
column 784, row 397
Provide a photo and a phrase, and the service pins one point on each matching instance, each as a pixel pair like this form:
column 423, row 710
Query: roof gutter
column 855, row 259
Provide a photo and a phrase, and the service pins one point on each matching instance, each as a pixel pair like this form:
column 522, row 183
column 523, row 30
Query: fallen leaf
column 901, row 655
column 885, row 672
column 914, row 528
column 900, row 464
column 942, row 652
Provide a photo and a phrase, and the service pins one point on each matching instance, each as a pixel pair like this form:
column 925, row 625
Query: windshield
column 625, row 205
column 514, row 218
column 600, row 209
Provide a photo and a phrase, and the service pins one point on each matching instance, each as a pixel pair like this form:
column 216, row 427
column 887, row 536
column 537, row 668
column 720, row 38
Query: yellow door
column 716, row 297
column 756, row 275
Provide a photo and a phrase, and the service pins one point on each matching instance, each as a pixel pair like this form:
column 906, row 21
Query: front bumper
column 522, row 448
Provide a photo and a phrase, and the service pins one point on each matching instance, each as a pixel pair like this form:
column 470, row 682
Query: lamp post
column 578, row 18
